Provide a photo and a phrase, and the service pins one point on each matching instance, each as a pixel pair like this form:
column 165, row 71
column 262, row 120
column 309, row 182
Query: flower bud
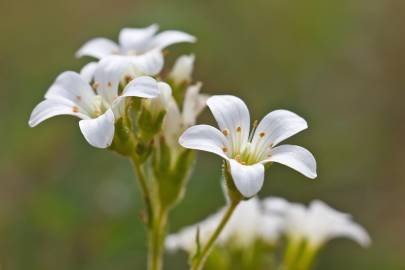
column 172, row 173
column 152, row 113
column 182, row 69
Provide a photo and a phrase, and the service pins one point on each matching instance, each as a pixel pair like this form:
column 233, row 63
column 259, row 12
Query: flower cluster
column 127, row 104
column 269, row 221
column 249, row 224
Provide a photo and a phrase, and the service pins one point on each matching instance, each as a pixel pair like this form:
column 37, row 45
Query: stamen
column 254, row 124
column 95, row 85
column 225, row 149
column 261, row 134
column 253, row 130
column 109, row 84
column 128, row 78
column 75, row 109
column 225, row 132
column 238, row 129
column 78, row 97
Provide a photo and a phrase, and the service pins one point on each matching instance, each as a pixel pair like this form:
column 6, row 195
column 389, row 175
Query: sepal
column 231, row 191
column 149, row 124
column 123, row 142
column 171, row 175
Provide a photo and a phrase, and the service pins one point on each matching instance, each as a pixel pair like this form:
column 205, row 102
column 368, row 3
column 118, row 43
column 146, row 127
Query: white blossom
column 98, row 105
column 182, row 69
column 317, row 223
column 142, row 46
column 247, row 151
column 248, row 224
column 177, row 120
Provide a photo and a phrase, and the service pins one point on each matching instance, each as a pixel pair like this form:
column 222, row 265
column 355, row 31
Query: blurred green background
column 338, row 63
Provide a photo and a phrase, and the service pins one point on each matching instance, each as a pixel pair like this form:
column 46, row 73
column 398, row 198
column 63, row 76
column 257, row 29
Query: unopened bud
column 182, row 69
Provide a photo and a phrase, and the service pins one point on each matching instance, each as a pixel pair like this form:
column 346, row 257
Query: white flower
column 99, row 108
column 140, row 45
column 185, row 239
column 325, row 223
column 247, row 154
column 316, row 224
column 248, row 224
column 177, row 120
column 182, row 69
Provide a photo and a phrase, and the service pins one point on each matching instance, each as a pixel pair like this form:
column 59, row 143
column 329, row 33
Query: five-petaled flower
column 315, row 224
column 248, row 224
column 139, row 45
column 99, row 105
column 245, row 151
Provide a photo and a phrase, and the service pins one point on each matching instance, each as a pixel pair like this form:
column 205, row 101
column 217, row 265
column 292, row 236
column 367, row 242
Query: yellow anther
column 75, row 109
column 225, row 149
column 255, row 124
column 261, row 134
column 225, row 132
column 128, row 78
column 78, row 97
column 238, row 129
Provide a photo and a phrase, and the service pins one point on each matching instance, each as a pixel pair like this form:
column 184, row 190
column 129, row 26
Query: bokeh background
column 338, row 63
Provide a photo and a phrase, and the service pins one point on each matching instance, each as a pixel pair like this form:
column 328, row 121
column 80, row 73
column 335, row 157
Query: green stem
column 200, row 259
column 291, row 254
column 145, row 189
column 307, row 258
column 156, row 240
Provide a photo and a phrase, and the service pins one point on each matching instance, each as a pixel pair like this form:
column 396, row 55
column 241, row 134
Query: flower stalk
column 156, row 240
column 200, row 258
column 307, row 258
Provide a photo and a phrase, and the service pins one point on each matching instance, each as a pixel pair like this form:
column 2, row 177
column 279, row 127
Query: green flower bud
column 123, row 142
column 171, row 175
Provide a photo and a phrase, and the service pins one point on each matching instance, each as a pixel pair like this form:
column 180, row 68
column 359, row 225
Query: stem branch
column 199, row 260
column 145, row 189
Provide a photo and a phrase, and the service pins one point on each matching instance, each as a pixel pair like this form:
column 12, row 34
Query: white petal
column 170, row 37
column 193, row 104
column 325, row 223
column 149, row 63
column 295, row 157
column 276, row 127
column 87, row 72
column 275, row 204
column 204, row 138
column 231, row 114
column 108, row 75
column 182, row 69
column 49, row 108
column 144, row 87
column 137, row 39
column 357, row 233
column 98, row 48
column 70, row 88
column 99, row 132
column 248, row 179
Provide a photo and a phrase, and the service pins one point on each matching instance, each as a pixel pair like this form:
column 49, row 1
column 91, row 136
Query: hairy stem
column 145, row 190
column 199, row 260
column 156, row 240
